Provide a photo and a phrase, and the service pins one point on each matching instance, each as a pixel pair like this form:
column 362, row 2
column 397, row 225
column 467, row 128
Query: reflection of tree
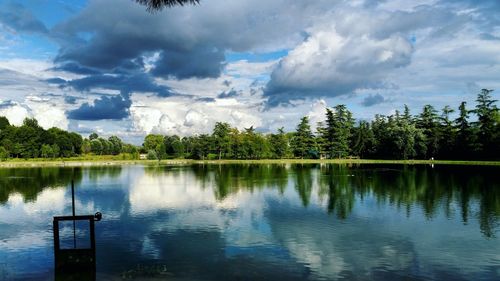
column 231, row 178
column 29, row 182
column 96, row 172
column 335, row 183
column 303, row 181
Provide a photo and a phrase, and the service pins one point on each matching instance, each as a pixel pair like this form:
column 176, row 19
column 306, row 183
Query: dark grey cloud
column 7, row 104
column 228, row 94
column 71, row 99
column 114, row 108
column 373, row 100
column 56, row 80
column 75, row 68
column 19, row 19
column 199, row 63
column 124, row 83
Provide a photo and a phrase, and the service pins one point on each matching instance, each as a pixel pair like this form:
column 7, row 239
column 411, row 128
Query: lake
column 260, row 222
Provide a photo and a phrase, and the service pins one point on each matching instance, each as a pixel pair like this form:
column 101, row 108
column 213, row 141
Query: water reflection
column 293, row 222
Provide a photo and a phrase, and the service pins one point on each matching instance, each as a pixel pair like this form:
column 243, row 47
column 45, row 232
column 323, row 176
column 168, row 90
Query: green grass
column 118, row 160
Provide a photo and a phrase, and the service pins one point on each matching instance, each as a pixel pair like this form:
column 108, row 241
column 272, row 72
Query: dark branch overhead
column 158, row 5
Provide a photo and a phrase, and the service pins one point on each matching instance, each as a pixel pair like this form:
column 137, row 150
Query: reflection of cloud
column 150, row 193
column 20, row 216
column 240, row 215
column 48, row 202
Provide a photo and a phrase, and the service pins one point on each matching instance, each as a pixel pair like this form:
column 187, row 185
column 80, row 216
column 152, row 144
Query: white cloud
column 187, row 116
column 15, row 113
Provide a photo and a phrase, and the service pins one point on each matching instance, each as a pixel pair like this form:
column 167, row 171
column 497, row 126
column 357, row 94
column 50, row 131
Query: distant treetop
column 158, row 5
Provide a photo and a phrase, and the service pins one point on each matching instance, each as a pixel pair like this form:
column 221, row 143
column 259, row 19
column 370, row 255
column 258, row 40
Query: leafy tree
column 303, row 139
column 156, row 143
column 487, row 114
column 364, row 142
column 4, row 154
column 221, row 139
column 55, row 150
column 448, row 134
column 279, row 144
column 86, row 148
column 174, row 146
column 116, row 145
column 46, row 151
column 96, row 146
column 93, row 136
column 339, row 125
column 158, row 5
column 465, row 138
column 4, row 122
column 428, row 121
column 201, row 147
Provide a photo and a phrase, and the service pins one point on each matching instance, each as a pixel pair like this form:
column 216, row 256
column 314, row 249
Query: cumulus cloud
column 17, row 18
column 329, row 64
column 373, row 100
column 14, row 112
column 186, row 116
column 115, row 107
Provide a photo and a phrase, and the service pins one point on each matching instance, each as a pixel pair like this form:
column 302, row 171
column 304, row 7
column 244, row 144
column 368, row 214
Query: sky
column 111, row 67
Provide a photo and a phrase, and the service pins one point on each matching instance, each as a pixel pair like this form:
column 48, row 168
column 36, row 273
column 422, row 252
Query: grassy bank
column 113, row 160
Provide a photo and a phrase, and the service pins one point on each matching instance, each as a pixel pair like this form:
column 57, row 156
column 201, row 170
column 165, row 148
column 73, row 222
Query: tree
column 174, row 146
column 465, row 138
column 448, row 134
column 201, row 146
column 428, row 122
column 4, row 154
column 158, row 5
column 46, row 151
column 338, row 131
column 487, row 113
column 116, row 145
column 155, row 143
column 93, row 136
column 303, row 139
column 364, row 142
column 96, row 147
column 221, row 139
column 4, row 122
column 279, row 144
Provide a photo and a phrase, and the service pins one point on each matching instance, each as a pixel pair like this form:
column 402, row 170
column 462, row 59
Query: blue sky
column 111, row 67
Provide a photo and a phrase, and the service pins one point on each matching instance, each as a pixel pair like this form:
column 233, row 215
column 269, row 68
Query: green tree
column 4, row 122
column 4, row 154
column 116, row 145
column 96, row 147
column 46, row 151
column 156, row 143
column 279, row 144
column 221, row 139
column 448, row 134
column 465, row 141
column 428, row 121
column 364, row 142
column 339, row 126
column 487, row 113
column 303, row 139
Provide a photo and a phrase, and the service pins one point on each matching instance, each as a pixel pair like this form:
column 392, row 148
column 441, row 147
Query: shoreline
column 109, row 162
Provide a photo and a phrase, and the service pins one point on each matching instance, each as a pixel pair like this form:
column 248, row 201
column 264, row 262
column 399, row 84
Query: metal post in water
column 73, row 208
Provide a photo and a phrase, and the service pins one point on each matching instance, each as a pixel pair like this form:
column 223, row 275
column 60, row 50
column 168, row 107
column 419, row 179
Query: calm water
column 260, row 222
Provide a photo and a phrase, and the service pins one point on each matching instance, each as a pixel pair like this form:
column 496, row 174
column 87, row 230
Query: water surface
column 260, row 222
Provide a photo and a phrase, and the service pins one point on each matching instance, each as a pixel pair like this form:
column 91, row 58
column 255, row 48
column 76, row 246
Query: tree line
column 30, row 140
column 429, row 134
